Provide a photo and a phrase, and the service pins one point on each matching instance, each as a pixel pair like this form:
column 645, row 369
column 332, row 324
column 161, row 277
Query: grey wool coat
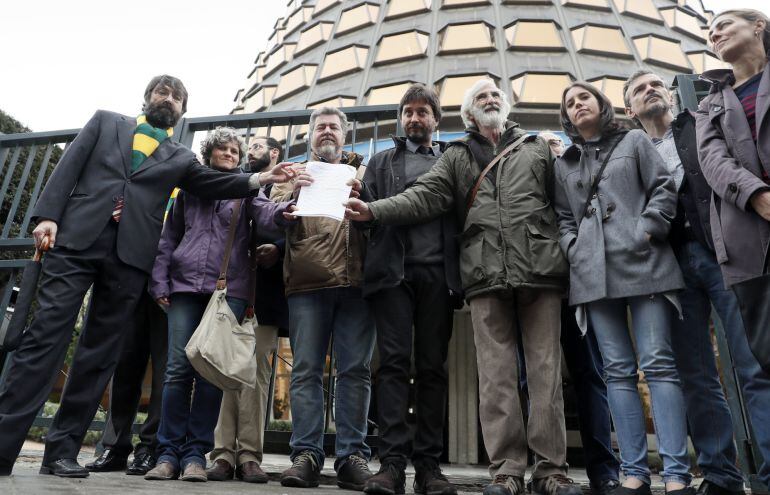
column 607, row 249
column 733, row 165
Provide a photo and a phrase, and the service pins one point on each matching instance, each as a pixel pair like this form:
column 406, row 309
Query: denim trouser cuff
column 675, row 478
column 170, row 459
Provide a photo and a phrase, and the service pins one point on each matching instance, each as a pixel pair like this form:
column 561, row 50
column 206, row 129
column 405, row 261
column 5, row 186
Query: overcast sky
column 62, row 60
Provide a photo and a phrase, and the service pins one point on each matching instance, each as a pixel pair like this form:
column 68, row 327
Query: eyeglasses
column 260, row 146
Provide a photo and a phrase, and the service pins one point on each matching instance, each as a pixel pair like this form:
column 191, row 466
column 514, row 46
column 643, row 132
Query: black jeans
column 147, row 340
column 66, row 276
column 422, row 300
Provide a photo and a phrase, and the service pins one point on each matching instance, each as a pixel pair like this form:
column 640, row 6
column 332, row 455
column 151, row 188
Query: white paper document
column 324, row 197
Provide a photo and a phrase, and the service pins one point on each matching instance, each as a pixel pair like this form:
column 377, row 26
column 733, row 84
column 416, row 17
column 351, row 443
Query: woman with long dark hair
column 615, row 201
column 733, row 135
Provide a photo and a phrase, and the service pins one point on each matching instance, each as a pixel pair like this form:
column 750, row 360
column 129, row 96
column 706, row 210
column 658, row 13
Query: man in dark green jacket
column 513, row 274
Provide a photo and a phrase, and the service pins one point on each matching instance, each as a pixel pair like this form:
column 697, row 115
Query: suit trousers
column 66, row 276
column 421, row 301
column 146, row 341
column 499, row 318
column 239, row 434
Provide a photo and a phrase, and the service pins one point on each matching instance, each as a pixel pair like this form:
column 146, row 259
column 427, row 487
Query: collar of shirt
column 414, row 146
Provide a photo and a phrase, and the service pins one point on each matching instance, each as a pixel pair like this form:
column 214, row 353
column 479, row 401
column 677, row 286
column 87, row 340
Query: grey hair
column 218, row 137
column 636, row 75
column 329, row 111
column 465, row 108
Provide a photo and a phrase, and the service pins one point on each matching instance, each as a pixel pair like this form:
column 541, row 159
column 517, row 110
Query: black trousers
column 66, row 276
column 421, row 300
column 146, row 341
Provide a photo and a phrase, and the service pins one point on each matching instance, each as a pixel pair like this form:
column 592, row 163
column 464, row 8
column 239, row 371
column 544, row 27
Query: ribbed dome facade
column 349, row 52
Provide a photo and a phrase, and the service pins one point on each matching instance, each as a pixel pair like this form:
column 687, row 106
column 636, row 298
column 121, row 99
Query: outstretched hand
column 279, row 174
column 357, row 210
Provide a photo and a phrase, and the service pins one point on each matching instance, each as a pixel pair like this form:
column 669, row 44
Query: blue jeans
column 187, row 421
column 652, row 335
column 313, row 317
column 700, row 268
column 711, row 425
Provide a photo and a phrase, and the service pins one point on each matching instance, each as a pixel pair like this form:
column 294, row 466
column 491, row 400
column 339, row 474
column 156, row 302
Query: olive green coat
column 509, row 236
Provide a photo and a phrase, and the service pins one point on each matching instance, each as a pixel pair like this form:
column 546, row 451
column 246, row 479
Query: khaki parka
column 509, row 236
column 322, row 252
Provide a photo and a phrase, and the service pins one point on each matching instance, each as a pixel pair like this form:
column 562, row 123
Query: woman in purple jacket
column 184, row 276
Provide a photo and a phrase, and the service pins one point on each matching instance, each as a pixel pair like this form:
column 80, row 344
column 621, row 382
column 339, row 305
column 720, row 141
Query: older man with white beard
column 323, row 274
column 513, row 275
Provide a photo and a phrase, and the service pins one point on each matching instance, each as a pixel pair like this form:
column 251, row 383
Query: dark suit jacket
column 96, row 168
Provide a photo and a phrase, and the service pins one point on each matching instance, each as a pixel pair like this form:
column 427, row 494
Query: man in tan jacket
column 323, row 275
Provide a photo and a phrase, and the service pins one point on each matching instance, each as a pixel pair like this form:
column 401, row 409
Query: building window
column 539, row 89
column 345, row 61
column 386, row 95
column 601, row 40
column 314, row 36
column 450, row 4
column 452, row 89
column 279, row 57
column 337, row 101
column 612, row 87
column 298, row 18
column 357, row 17
column 645, row 9
column 398, row 8
column 661, row 51
column 695, row 5
column 295, row 80
column 587, row 4
column 466, row 38
column 684, row 22
column 534, row 35
column 259, row 100
column 400, row 47
column 324, row 5
column 704, row 60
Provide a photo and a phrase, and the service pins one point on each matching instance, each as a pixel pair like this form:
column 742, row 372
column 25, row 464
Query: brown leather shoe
column 220, row 471
column 194, row 472
column 162, row 471
column 250, row 472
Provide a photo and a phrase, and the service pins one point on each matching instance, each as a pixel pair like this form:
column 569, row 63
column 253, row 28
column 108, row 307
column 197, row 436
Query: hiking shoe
column 389, row 480
column 556, row 484
column 194, row 472
column 353, row 472
column 429, row 480
column 162, row 471
column 303, row 473
column 505, row 484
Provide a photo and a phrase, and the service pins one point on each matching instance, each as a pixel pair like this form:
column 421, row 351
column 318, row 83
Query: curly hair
column 608, row 125
column 218, row 137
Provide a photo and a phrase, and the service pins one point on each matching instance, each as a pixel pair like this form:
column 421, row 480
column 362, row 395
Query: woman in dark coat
column 620, row 259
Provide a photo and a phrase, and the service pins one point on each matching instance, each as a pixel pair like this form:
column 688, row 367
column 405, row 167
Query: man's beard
column 493, row 119
column 258, row 163
column 418, row 134
column 328, row 150
column 657, row 109
column 161, row 115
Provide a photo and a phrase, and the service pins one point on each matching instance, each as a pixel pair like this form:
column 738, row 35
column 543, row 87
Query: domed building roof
column 353, row 52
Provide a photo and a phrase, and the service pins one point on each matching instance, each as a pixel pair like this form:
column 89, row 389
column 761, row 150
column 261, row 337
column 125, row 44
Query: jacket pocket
column 472, row 255
column 546, row 258
column 310, row 260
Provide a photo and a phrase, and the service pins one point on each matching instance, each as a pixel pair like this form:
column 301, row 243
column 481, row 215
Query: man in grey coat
column 102, row 210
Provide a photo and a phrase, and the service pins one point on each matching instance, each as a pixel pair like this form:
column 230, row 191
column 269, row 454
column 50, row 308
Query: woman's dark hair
column 750, row 15
column 607, row 124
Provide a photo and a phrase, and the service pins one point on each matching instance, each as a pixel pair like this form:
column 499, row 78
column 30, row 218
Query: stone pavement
column 26, row 480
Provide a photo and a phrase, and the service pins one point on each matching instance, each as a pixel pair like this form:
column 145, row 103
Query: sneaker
column 162, row 471
column 353, row 472
column 556, row 484
column 303, row 473
column 389, row 480
column 429, row 480
column 505, row 484
column 606, row 487
column 194, row 472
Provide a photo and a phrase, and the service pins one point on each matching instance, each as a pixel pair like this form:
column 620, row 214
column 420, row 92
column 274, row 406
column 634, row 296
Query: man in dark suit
column 102, row 210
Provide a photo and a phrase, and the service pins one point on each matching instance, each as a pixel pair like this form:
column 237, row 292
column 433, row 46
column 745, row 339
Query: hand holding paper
column 324, row 196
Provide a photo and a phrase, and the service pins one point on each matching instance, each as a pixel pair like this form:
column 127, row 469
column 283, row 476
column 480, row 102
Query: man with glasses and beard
column 513, row 275
column 101, row 211
column 411, row 278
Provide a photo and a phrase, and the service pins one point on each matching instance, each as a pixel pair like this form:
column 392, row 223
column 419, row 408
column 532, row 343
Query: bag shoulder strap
column 222, row 280
column 598, row 177
column 480, row 179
